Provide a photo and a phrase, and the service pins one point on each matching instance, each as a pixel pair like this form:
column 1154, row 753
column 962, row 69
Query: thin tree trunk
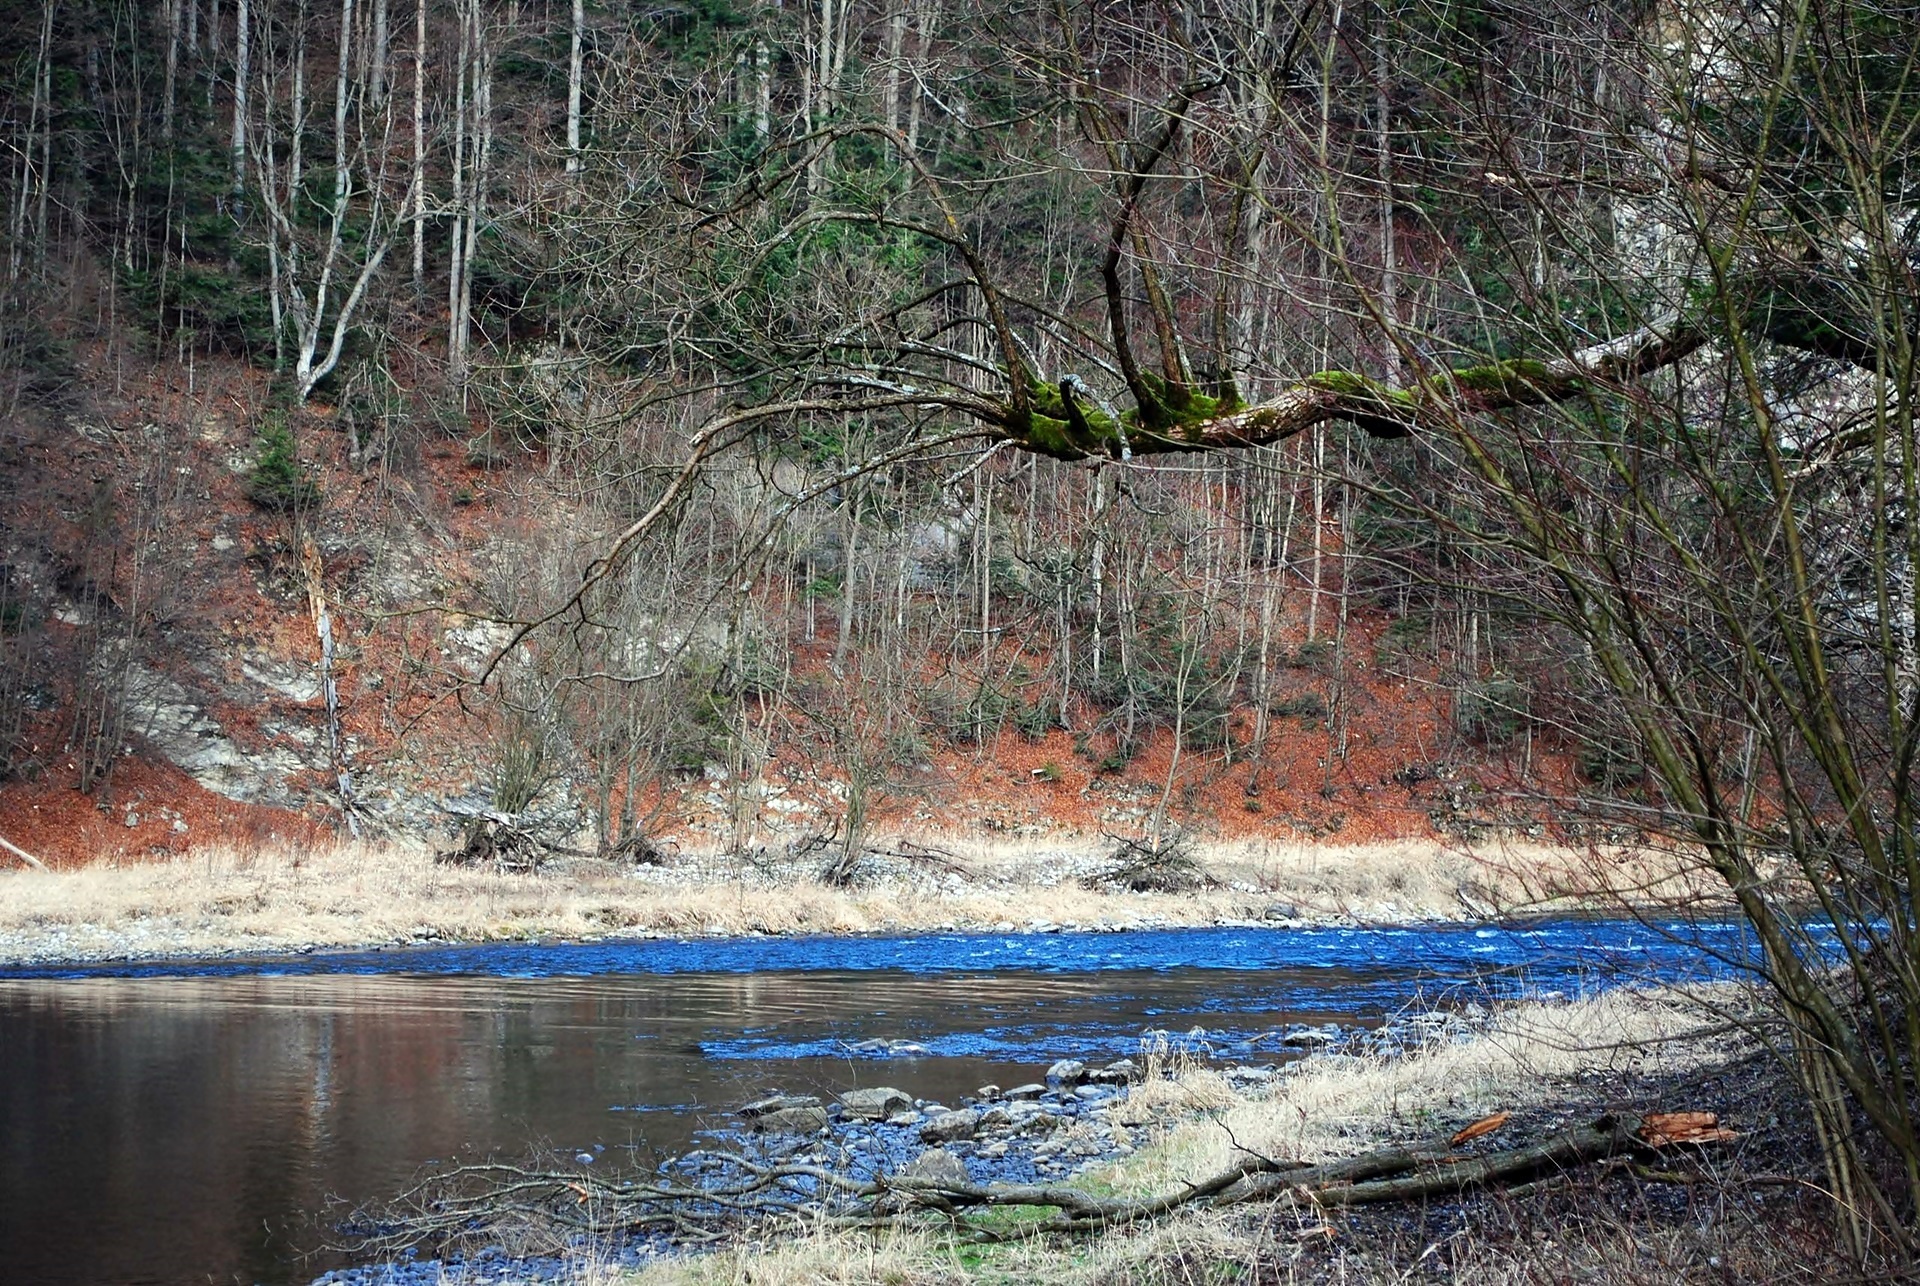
column 241, row 51
column 169, row 90
column 456, row 260
column 419, row 144
column 763, row 89
column 573, row 86
column 1389, row 267
column 377, row 60
column 896, row 42
column 39, row 117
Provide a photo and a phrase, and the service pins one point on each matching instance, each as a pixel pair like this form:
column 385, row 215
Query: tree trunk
column 377, row 56
column 169, row 90
column 241, row 51
column 573, row 86
column 419, row 144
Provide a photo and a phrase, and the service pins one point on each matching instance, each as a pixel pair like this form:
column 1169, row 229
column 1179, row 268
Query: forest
column 1241, row 407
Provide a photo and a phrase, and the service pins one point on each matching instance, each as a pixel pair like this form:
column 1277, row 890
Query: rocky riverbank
column 1076, row 1120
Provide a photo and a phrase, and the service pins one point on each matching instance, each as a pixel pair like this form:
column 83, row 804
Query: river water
column 202, row 1122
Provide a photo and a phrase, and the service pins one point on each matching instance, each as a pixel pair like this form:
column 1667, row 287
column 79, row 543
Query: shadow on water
column 186, row 1122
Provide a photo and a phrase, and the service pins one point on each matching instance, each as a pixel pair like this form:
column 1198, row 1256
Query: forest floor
column 279, row 898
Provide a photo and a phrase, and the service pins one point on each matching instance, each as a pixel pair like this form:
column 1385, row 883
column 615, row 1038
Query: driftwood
column 722, row 1193
column 23, row 855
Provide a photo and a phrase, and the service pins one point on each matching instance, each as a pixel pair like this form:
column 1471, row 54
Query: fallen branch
column 23, row 855
column 711, row 1194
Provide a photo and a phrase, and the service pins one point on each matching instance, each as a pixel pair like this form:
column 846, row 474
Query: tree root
column 740, row 1194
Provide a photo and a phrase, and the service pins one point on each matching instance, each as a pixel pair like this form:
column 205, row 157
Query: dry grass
column 1325, row 1107
column 220, row 899
column 1331, row 1107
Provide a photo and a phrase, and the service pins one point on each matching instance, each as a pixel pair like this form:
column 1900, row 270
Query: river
column 176, row 1122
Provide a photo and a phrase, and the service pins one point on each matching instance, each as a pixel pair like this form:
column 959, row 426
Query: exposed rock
column 935, row 1165
column 1068, row 1071
column 951, row 1127
column 1280, row 911
column 1118, row 1072
column 778, row 1103
column 293, row 681
column 1028, row 1091
column 792, row 1120
column 175, row 722
column 876, row 1103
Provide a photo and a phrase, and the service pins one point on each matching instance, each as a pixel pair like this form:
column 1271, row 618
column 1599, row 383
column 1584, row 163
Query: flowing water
column 201, row 1122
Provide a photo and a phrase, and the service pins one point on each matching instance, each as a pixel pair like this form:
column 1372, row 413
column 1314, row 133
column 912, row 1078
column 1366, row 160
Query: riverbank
column 1747, row 1209
column 230, row 901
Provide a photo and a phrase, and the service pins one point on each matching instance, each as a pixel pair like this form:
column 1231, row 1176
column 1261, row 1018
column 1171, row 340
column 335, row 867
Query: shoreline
column 225, row 903
column 1133, row 1130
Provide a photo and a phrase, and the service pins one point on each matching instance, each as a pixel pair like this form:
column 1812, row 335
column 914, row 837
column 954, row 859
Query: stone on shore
column 935, row 1165
column 792, row 1120
column 876, row 1103
column 778, row 1103
column 951, row 1127
column 1068, row 1071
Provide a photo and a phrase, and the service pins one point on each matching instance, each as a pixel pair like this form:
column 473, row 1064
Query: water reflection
column 187, row 1129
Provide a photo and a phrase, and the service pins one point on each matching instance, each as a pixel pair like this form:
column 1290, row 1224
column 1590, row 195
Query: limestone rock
column 875, row 1103
column 792, row 1120
column 935, row 1165
column 951, row 1127
column 778, row 1103
column 1068, row 1071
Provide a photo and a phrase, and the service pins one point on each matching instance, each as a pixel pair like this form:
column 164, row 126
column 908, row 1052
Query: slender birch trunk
column 456, row 330
column 169, row 89
column 419, row 144
column 762, row 89
column 573, row 86
column 37, row 120
column 241, row 51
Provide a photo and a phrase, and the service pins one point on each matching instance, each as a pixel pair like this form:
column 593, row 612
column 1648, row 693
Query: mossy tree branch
column 1058, row 423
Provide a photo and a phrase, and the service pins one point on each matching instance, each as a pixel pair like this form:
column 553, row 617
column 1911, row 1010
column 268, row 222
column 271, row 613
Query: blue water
column 166, row 1122
column 1554, row 954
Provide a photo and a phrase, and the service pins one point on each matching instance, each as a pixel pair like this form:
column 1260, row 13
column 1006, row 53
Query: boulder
column 1068, row 1071
column 1118, row 1072
column 876, row 1103
column 935, row 1165
column 951, row 1127
column 792, row 1120
column 1028, row 1091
